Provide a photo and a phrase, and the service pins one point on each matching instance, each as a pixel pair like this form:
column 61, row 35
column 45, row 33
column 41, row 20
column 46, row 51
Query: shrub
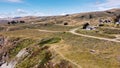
column 101, row 24
column 66, row 23
column 85, row 25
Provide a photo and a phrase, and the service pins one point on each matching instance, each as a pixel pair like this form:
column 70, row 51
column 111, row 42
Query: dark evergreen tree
column 85, row 25
column 22, row 21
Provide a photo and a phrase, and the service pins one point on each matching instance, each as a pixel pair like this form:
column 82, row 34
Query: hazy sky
column 11, row 8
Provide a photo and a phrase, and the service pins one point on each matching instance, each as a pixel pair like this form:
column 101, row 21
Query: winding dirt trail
column 73, row 31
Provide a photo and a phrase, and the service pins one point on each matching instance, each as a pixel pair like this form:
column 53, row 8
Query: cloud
column 15, row 1
column 21, row 13
column 108, row 4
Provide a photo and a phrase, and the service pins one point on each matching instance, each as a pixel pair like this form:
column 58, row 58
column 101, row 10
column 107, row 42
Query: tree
column 101, row 24
column 13, row 22
column 85, row 25
column 90, row 16
column 65, row 23
column 22, row 21
column 116, row 18
column 9, row 23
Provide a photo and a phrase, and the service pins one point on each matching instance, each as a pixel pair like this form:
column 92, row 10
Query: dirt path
column 73, row 31
column 49, row 31
column 53, row 48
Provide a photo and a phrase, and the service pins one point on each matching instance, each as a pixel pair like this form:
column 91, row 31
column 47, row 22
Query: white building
column 118, row 22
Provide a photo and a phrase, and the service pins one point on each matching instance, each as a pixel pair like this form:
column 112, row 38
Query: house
column 118, row 22
column 102, row 21
column 90, row 28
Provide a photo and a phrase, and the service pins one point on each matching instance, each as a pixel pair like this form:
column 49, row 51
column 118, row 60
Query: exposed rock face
column 13, row 62
column 1, row 41
column 3, row 54
column 5, row 46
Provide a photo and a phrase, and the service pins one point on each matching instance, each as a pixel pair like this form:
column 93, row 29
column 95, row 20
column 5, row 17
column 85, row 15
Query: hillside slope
column 76, row 19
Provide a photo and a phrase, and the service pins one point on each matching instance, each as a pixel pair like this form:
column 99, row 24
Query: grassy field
column 86, row 52
column 27, row 33
column 110, row 30
column 98, row 33
column 41, row 26
column 90, row 53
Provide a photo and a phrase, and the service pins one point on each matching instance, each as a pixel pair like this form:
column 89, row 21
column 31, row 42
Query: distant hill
column 73, row 19
column 3, row 21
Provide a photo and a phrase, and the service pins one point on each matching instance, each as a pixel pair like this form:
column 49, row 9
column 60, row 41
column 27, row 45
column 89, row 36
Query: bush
column 85, row 25
column 66, row 23
column 101, row 24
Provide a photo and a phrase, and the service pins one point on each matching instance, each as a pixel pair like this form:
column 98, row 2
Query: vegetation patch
column 32, row 60
column 49, row 41
column 24, row 43
column 46, row 58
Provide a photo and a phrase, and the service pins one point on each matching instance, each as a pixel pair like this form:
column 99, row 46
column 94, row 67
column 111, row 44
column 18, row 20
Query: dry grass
column 98, row 33
column 78, row 49
column 27, row 33
column 87, row 52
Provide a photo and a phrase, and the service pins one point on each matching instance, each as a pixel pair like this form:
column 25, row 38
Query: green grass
column 49, row 41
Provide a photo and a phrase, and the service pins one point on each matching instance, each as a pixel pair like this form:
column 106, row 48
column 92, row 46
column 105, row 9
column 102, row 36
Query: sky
column 16, row 8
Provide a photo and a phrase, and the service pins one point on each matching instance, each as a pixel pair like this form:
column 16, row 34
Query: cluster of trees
column 116, row 19
column 85, row 25
column 15, row 22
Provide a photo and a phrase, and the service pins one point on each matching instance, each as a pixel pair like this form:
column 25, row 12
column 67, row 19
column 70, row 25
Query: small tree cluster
column 116, row 18
column 85, row 25
column 15, row 22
